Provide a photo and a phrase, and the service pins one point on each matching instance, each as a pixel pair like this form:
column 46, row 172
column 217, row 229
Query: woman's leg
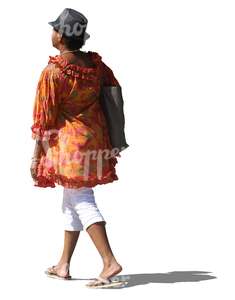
column 73, row 226
column 97, row 232
column 70, row 241
column 83, row 202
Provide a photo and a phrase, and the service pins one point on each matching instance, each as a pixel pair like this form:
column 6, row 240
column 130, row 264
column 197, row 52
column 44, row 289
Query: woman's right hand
column 33, row 169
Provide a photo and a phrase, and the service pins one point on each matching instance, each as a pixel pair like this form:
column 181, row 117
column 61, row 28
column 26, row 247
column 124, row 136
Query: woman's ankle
column 63, row 263
column 109, row 260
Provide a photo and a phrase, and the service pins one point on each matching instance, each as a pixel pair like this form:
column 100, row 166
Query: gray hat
column 71, row 23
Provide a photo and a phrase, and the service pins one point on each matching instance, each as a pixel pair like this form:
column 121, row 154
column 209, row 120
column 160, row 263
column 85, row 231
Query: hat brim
column 54, row 23
column 86, row 36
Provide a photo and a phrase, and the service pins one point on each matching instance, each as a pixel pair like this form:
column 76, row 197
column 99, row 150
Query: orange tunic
column 68, row 119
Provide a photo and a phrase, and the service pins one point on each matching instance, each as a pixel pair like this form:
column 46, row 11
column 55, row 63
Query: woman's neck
column 77, row 53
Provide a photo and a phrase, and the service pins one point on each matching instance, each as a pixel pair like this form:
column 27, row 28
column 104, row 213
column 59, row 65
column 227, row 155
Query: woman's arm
column 46, row 105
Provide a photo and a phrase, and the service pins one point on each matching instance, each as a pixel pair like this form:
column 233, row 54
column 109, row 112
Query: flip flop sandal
column 53, row 275
column 100, row 282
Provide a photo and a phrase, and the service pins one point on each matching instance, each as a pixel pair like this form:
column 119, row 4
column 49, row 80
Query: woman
column 70, row 130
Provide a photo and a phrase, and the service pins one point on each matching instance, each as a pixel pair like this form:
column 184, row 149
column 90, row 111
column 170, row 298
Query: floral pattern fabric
column 69, row 121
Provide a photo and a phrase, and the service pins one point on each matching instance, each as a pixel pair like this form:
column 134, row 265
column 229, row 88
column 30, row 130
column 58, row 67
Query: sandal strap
column 104, row 280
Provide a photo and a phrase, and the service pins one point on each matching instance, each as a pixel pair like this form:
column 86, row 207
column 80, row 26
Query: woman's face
column 55, row 38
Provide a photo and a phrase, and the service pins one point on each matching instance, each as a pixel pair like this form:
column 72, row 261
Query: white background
column 170, row 216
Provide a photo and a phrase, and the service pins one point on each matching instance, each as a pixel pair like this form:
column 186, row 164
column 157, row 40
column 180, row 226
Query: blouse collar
column 75, row 70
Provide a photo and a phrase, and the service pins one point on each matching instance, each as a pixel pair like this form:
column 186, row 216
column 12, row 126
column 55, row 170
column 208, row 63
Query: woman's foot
column 61, row 270
column 110, row 269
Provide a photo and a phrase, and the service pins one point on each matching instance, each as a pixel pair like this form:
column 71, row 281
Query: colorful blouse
column 68, row 119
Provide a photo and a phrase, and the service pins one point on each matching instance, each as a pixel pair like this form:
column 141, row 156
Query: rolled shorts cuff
column 73, row 228
column 92, row 221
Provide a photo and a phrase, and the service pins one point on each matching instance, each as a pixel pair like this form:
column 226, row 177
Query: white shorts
column 80, row 209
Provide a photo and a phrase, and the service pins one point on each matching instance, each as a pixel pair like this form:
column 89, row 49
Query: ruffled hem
column 39, row 133
column 76, row 182
column 74, row 70
column 44, row 182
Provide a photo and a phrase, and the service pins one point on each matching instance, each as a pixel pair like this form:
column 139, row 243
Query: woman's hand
column 38, row 150
column 33, row 168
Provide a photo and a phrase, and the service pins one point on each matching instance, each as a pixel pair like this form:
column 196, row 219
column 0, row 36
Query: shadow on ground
column 170, row 277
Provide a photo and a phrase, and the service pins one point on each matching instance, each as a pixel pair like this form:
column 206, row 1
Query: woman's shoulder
column 95, row 55
column 107, row 71
column 50, row 70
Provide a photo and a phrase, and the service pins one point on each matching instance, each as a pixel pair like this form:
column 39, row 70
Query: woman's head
column 61, row 42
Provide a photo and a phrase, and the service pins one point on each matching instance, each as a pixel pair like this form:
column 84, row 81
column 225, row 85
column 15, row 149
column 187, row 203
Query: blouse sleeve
column 108, row 77
column 45, row 106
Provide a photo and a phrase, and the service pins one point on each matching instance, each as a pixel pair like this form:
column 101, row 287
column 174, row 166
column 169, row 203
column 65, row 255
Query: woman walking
column 71, row 132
